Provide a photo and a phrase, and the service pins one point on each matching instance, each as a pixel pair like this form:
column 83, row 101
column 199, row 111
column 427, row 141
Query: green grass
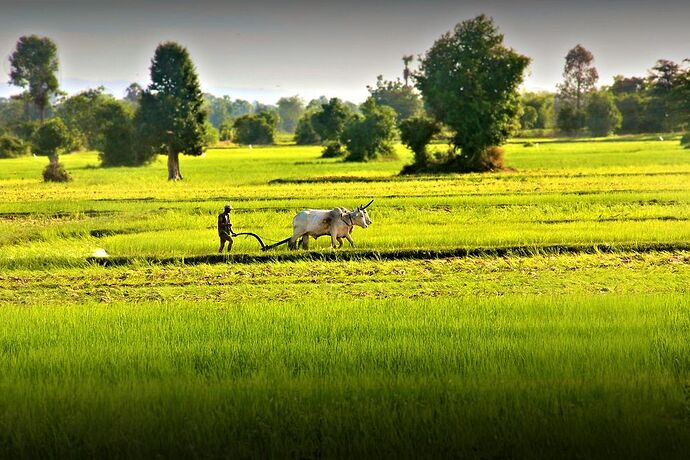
column 495, row 377
column 540, row 312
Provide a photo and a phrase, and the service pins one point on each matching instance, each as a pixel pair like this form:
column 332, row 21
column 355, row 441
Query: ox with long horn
column 338, row 223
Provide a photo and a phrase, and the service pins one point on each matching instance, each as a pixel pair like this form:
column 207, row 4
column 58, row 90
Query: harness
column 351, row 224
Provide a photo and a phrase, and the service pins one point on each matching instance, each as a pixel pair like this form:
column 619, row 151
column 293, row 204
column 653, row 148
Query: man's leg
column 222, row 244
column 229, row 244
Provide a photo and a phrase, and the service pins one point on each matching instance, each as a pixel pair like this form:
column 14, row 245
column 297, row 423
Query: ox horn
column 368, row 204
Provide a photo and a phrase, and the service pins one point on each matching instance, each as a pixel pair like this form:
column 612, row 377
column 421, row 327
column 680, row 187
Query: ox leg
column 340, row 242
column 305, row 242
column 334, row 241
column 292, row 244
column 349, row 239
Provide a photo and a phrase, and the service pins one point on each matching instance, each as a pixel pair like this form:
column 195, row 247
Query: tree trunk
column 53, row 159
column 173, row 165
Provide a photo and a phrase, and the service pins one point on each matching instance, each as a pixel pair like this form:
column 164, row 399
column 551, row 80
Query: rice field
column 539, row 312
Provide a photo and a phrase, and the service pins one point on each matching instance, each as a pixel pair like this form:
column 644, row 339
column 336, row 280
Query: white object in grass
column 99, row 252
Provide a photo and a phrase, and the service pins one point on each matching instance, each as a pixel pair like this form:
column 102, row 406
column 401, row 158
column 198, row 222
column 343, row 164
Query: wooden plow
column 264, row 246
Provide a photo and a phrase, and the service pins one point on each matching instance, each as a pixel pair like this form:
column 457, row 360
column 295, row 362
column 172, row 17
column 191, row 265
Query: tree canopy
column 34, row 64
column 371, row 134
column 579, row 76
column 171, row 117
column 469, row 81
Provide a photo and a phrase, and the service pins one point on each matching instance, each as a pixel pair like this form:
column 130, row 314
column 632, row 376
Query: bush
column 12, row 147
column 305, row 133
column 685, row 140
column 55, row 172
column 225, row 131
column 255, row 129
column 492, row 159
column 212, row 135
column 416, row 133
column 333, row 149
column 51, row 138
column 603, row 117
column 370, row 135
column 570, row 120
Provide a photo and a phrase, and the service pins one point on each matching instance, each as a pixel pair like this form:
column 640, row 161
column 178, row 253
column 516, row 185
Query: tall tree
column 469, row 81
column 290, row 110
column 33, row 65
column 171, row 118
column 660, row 83
column 579, row 76
column 407, row 73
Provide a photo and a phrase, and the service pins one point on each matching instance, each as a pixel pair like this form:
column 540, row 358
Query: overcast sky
column 262, row 50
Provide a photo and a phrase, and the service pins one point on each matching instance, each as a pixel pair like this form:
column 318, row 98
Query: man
column 225, row 228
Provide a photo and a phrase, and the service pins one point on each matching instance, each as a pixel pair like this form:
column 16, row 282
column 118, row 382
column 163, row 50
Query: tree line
column 465, row 90
column 655, row 103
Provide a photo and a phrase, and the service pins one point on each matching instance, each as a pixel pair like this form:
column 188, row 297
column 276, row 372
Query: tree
column 80, row 114
column 528, row 119
column 329, row 121
column 133, row 93
column 33, row 65
column 290, row 109
column 603, row 117
column 579, row 77
column 407, row 73
column 570, row 120
column 469, row 81
column 416, row 133
column 119, row 136
column 371, row 134
column 315, row 104
column 171, row 118
column 680, row 98
column 660, row 114
column 627, row 85
column 51, row 138
column 632, row 109
column 397, row 96
column 12, row 147
column 538, row 110
column 256, row 129
column 305, row 133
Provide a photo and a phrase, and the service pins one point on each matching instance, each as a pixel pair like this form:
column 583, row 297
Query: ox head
column 360, row 216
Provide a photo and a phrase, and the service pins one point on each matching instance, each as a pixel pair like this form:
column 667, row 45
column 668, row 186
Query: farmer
column 225, row 228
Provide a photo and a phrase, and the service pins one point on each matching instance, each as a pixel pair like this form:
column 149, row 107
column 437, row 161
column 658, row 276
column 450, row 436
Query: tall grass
column 573, row 377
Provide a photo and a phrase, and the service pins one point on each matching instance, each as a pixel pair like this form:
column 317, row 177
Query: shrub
column 305, row 133
column 416, row 133
column 603, row 117
column 255, row 129
column 492, row 159
column 570, row 120
column 212, row 135
column 225, row 131
column 12, row 147
column 685, row 140
column 333, row 149
column 370, row 135
column 55, row 172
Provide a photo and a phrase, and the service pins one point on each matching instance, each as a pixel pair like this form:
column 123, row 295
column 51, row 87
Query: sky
column 263, row 50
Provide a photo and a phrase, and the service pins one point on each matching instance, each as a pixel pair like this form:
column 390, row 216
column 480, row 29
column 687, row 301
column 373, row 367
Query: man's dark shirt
column 224, row 225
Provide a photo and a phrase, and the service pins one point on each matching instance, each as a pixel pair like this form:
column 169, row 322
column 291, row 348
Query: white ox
column 338, row 223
